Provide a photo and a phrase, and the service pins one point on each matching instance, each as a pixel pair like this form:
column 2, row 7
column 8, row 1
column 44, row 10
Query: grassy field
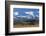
column 25, row 24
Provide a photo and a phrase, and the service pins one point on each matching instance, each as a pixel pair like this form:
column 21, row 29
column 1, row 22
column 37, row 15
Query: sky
column 24, row 12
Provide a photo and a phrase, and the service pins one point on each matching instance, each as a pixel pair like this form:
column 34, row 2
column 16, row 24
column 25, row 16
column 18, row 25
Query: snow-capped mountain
column 26, row 18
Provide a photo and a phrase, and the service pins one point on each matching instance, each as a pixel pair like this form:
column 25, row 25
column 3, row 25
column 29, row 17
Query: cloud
column 29, row 13
column 16, row 13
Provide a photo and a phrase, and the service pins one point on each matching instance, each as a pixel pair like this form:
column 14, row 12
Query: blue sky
column 25, row 12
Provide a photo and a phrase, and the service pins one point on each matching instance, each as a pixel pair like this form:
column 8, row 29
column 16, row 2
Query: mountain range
column 25, row 18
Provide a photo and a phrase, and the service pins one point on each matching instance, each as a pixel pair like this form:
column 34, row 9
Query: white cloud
column 30, row 13
column 16, row 13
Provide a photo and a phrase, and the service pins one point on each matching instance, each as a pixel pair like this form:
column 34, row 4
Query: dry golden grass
column 25, row 25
